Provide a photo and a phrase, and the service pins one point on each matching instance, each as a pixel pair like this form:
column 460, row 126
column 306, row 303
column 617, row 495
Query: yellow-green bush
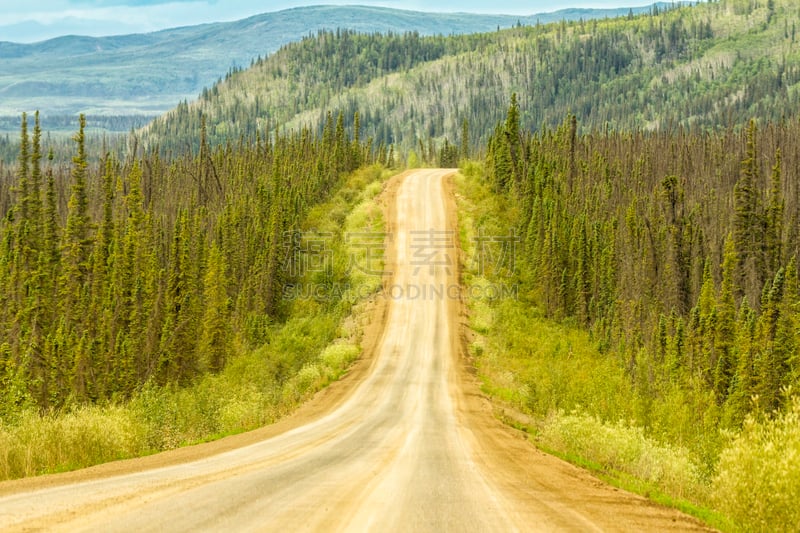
column 37, row 444
column 620, row 447
column 578, row 400
column 758, row 479
column 247, row 408
column 337, row 357
column 647, row 430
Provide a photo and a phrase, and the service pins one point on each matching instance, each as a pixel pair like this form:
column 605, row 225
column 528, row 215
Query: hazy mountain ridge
column 707, row 66
column 150, row 73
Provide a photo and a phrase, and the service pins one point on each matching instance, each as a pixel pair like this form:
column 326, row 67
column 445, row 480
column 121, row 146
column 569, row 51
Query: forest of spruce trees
column 678, row 251
column 148, row 270
column 660, row 219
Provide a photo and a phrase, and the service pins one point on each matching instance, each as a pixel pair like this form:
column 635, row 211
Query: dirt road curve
column 405, row 443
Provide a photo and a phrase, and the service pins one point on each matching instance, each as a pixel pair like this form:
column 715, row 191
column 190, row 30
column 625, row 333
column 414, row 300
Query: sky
column 36, row 20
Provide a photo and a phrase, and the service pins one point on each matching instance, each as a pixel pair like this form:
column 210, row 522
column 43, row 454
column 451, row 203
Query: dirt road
column 406, row 443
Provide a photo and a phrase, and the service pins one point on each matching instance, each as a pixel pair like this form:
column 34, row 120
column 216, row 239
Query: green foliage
column 575, row 398
column 758, row 480
column 313, row 346
column 124, row 273
column 618, row 447
column 127, row 78
column 613, row 247
column 700, row 67
column 641, row 340
column 215, row 344
column 413, row 160
column 35, row 444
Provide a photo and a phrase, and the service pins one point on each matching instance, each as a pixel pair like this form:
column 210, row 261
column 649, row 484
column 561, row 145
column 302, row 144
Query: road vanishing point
column 405, row 442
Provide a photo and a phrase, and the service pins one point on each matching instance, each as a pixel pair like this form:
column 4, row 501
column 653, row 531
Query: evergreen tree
column 356, row 159
column 513, row 141
column 705, row 328
column 177, row 357
column 774, row 219
column 748, row 220
column 23, row 166
column 464, row 151
column 743, row 386
column 215, row 339
column 77, row 242
column 771, row 364
column 726, row 324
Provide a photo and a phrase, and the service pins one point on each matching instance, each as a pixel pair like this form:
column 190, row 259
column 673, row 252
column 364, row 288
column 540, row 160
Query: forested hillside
column 677, row 253
column 148, row 74
column 148, row 270
column 706, row 66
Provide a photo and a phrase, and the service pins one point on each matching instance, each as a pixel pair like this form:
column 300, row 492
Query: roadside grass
column 549, row 379
column 37, row 444
column 312, row 348
column 758, row 480
column 624, row 481
column 575, row 403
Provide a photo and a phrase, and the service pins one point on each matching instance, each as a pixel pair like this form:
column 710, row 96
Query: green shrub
column 39, row 444
column 309, row 378
column 621, row 447
column 337, row 357
column 758, row 479
column 545, row 368
column 249, row 408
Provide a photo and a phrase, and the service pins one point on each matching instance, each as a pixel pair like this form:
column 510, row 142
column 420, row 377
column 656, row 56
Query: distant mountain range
column 147, row 74
column 710, row 66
